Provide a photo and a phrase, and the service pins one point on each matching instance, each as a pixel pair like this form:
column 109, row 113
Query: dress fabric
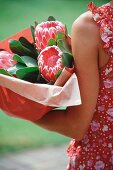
column 95, row 150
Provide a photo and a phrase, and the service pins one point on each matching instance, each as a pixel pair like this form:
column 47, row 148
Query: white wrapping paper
column 51, row 95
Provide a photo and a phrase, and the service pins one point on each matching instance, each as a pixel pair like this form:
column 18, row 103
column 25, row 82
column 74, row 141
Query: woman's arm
column 75, row 121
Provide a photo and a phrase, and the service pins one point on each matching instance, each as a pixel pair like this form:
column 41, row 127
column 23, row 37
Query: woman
column 91, row 123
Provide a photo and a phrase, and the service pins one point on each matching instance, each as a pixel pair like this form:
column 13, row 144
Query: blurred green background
column 15, row 15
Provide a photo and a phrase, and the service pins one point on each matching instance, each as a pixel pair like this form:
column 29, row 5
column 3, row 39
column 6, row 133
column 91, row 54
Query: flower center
column 51, row 62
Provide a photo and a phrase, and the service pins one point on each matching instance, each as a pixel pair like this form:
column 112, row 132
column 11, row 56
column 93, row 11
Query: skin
column 111, row 3
column 89, row 58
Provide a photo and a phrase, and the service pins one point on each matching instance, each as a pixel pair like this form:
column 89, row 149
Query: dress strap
column 103, row 16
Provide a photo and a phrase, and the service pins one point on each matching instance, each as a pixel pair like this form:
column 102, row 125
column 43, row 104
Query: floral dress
column 95, row 150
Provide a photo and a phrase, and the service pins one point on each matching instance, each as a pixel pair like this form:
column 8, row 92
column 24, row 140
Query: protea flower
column 6, row 60
column 46, row 31
column 50, row 62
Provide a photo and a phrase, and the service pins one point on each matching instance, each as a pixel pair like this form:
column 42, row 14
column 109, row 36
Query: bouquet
column 33, row 63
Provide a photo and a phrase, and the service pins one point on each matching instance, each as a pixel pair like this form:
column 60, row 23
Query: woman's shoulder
column 85, row 21
column 87, row 16
column 85, row 26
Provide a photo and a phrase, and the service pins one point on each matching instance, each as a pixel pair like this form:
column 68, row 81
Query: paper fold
column 50, row 95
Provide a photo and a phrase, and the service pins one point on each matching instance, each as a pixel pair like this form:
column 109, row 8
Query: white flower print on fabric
column 105, row 128
column 86, row 140
column 81, row 167
column 108, row 83
column 108, row 70
column 101, row 108
column 105, row 37
column 107, row 30
column 106, row 97
column 96, row 16
column 111, row 50
column 99, row 165
column 90, row 163
column 111, row 160
column 104, row 144
column 110, row 145
column 110, row 112
column 110, row 119
column 95, row 126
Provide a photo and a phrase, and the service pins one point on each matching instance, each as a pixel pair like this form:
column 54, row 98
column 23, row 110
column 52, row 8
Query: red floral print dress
column 95, row 150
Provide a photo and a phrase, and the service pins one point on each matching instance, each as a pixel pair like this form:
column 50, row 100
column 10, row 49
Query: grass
column 16, row 15
column 16, row 134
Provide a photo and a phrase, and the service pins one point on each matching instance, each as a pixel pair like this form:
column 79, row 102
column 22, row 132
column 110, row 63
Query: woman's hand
column 63, row 78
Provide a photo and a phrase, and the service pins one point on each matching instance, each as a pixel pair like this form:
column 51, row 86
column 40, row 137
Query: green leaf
column 36, row 23
column 21, row 73
column 31, row 77
column 66, row 29
column 51, row 42
column 41, row 80
column 17, row 48
column 51, row 18
column 26, row 60
column 4, row 72
column 51, row 83
column 25, row 42
column 58, row 73
column 29, row 62
column 29, row 45
column 18, row 59
column 67, row 60
column 33, row 32
column 60, row 36
column 61, row 45
column 14, row 46
column 12, row 70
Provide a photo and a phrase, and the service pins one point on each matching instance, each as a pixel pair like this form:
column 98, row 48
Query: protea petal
column 50, row 62
column 6, row 60
column 40, row 33
column 46, row 33
column 44, row 40
column 47, row 29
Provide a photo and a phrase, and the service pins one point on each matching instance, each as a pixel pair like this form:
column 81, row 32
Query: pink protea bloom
column 50, row 62
column 46, row 31
column 6, row 60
